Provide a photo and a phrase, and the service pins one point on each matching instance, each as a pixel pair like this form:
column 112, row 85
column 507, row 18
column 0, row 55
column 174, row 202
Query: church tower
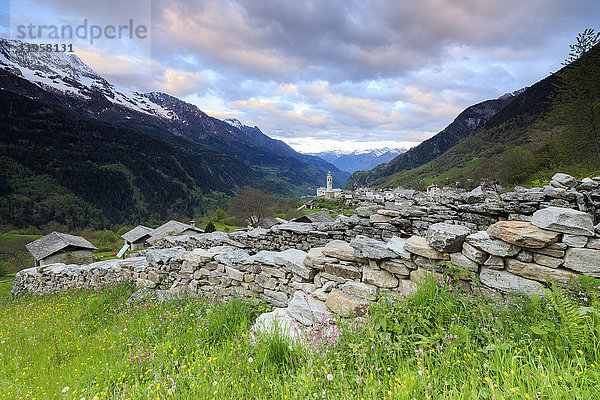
column 329, row 181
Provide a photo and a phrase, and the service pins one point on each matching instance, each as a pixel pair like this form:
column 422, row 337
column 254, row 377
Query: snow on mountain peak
column 234, row 122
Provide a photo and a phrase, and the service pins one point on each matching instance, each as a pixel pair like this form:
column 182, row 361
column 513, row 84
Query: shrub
column 210, row 227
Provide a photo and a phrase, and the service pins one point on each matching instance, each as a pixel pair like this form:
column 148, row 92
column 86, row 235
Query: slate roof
column 137, row 233
column 55, row 242
column 319, row 217
column 169, row 228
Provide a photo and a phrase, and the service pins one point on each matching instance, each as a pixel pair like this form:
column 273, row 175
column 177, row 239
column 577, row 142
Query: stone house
column 137, row 237
column 59, row 247
column 172, row 228
column 315, row 218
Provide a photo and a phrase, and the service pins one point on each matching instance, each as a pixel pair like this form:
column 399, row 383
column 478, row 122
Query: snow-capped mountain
column 359, row 160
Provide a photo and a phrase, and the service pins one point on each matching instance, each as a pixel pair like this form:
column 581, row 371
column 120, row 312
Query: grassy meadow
column 437, row 343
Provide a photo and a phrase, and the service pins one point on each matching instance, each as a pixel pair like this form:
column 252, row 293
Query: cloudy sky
column 327, row 74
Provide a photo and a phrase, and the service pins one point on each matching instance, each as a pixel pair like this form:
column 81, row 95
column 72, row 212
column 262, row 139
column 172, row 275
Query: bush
column 210, row 227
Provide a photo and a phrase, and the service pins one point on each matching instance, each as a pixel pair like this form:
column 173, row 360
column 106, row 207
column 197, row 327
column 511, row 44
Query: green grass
column 220, row 226
column 434, row 344
column 6, row 238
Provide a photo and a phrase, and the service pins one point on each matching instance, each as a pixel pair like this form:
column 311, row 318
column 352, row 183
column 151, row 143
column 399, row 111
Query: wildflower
column 250, row 359
column 329, row 377
column 487, row 379
column 580, row 352
column 65, row 389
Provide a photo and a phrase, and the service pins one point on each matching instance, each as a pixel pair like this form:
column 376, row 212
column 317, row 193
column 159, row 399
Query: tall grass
column 437, row 343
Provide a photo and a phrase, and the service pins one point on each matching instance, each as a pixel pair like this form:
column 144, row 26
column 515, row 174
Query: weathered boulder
column 344, row 304
column 462, row 261
column 379, row 277
column 360, row 289
column 315, row 258
column 538, row 272
column 447, row 238
column 523, row 234
column 366, row 211
column 157, row 257
column 277, row 321
column 264, row 257
column 346, row 271
column 475, row 254
column 585, row 261
column 293, row 260
column 563, row 181
column 506, row 282
column 306, row 309
column 483, row 241
column 396, row 244
column 396, row 266
column 340, row 250
column 547, row 261
column 232, row 257
column 418, row 245
column 589, row 184
column 575, row 240
column 366, row 247
column 564, row 220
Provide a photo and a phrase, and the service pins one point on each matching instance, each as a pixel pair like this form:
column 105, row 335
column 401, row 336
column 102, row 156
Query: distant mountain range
column 358, row 160
column 176, row 159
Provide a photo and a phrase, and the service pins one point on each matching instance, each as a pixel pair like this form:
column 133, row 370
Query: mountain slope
column 518, row 145
column 340, row 176
column 359, row 160
column 465, row 123
column 63, row 80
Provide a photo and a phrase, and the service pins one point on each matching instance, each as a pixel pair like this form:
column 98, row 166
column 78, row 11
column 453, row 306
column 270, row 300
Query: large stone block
column 306, row 309
column 564, row 220
column 475, row 254
column 340, row 250
column 585, row 261
column 346, row 271
column 547, row 261
column 575, row 240
column 506, row 282
column 418, row 245
column 563, row 181
column 232, row 257
column 447, row 238
column 397, row 267
column 539, row 272
column 344, row 304
column 396, row 244
column 293, row 260
column 366, row 247
column 497, row 247
column 462, row 261
column 379, row 277
column 360, row 289
column 523, row 234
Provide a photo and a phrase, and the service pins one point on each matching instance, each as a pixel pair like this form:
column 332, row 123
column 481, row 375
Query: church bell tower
column 329, row 181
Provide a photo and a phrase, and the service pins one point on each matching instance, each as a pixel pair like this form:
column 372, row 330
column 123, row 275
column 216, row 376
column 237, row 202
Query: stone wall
column 338, row 275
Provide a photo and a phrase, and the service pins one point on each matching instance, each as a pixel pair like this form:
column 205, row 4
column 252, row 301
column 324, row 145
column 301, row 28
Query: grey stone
column 264, row 257
column 277, row 321
column 346, row 271
column 506, row 282
column 314, row 258
column 397, row 267
column 396, row 244
column 157, row 257
column 379, row 277
column 293, row 260
column 447, row 238
column 462, row 261
column 564, row 180
column 366, row 211
column 564, row 220
column 593, row 243
column 360, row 289
column 296, row 227
column 265, row 281
column 525, row 256
column 585, row 261
column 418, row 245
column 475, row 254
column 589, row 184
column 378, row 218
column 538, row 272
column 547, row 261
column 234, row 274
column 496, row 262
column 344, row 304
column 366, row 247
column 279, row 297
column 497, row 247
column 231, row 257
column 306, row 309
column 340, row 250
column 575, row 240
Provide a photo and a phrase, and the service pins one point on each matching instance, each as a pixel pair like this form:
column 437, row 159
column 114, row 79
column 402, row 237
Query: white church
column 328, row 192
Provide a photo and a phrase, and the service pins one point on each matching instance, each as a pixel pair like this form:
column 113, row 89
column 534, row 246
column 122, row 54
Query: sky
column 324, row 75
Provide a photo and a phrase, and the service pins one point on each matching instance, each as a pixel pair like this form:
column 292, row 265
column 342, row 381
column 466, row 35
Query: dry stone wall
column 340, row 273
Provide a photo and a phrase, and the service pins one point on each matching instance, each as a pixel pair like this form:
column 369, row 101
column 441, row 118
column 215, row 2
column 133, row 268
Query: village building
column 172, row 228
column 328, row 192
column 61, row 248
column 315, row 218
column 137, row 237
